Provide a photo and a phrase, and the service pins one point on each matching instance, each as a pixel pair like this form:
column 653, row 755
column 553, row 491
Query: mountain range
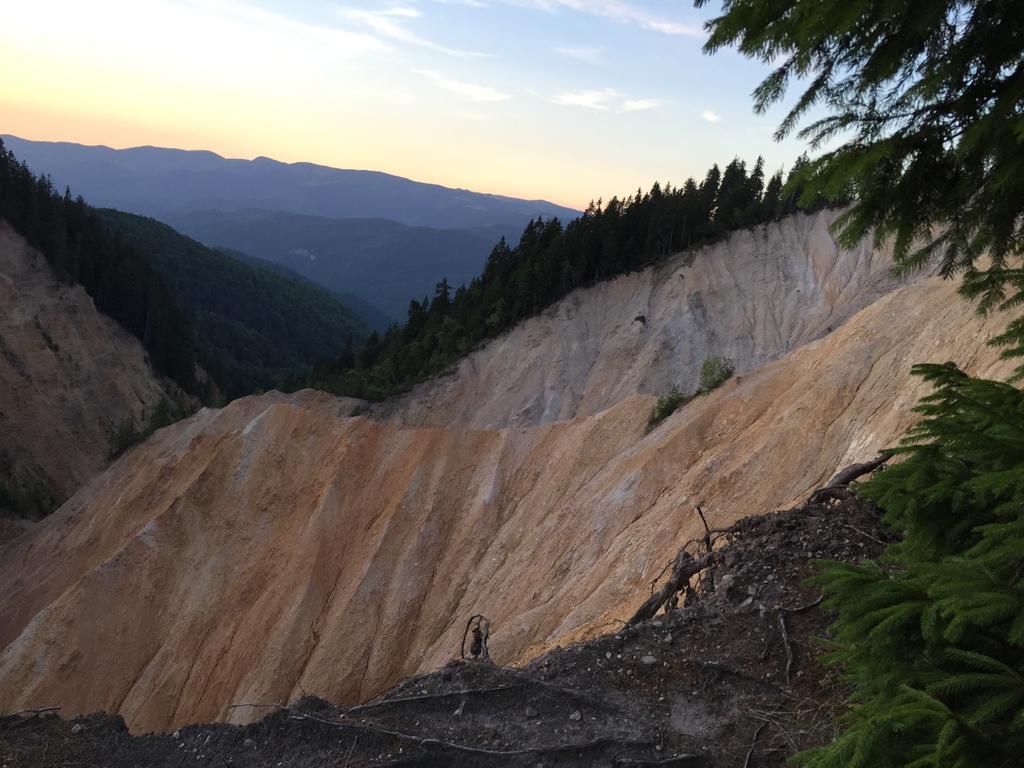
column 156, row 181
column 381, row 239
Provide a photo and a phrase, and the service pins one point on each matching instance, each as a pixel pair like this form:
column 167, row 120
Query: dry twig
column 753, row 743
column 789, row 646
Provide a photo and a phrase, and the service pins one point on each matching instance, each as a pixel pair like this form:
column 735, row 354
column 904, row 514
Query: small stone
column 608, row 654
column 531, row 712
column 77, row 728
column 249, row 744
column 577, row 715
column 176, row 735
column 668, row 637
column 648, row 660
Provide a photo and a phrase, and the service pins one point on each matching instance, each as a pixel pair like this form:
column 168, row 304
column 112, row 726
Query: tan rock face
column 281, row 546
column 69, row 378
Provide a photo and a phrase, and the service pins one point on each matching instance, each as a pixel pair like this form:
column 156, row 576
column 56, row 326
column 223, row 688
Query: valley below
column 300, row 545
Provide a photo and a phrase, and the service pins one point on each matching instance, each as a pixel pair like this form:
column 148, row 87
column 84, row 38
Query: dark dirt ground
column 704, row 685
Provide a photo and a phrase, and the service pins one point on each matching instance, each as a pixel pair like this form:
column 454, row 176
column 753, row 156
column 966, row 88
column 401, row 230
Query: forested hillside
column 117, row 274
column 369, row 314
column 382, row 262
column 248, row 327
column 550, row 260
column 255, row 325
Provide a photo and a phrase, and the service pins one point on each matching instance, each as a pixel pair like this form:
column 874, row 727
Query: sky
column 565, row 100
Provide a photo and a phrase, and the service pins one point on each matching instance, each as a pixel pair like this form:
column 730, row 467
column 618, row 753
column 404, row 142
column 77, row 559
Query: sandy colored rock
column 281, row 546
column 70, row 377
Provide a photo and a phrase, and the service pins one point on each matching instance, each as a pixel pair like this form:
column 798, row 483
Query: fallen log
column 847, row 476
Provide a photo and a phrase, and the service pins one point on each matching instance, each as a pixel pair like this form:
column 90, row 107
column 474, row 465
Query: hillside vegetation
column 255, row 325
column 117, row 274
column 383, row 262
column 192, row 307
column 549, row 261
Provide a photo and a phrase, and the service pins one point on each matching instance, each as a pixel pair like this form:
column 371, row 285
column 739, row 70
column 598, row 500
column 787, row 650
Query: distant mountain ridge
column 156, row 181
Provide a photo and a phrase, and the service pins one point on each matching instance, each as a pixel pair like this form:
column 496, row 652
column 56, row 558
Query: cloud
column 342, row 42
column 587, row 55
column 640, row 105
column 471, row 91
column 710, row 116
column 597, row 100
column 616, row 10
column 388, row 23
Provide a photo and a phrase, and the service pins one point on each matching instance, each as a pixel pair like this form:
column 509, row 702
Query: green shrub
column 666, row 406
column 714, row 372
column 128, row 434
column 932, row 639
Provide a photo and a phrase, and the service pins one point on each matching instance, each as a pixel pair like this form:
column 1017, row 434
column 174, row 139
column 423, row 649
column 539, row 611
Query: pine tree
column 933, row 637
column 929, row 96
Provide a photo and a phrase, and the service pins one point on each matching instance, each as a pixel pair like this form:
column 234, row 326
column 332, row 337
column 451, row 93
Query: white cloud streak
column 471, row 91
column 599, row 100
column 389, row 23
column 710, row 116
column 588, row 55
column 617, row 10
column 640, row 105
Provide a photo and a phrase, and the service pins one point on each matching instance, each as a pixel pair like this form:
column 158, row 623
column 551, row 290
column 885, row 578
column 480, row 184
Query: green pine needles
column 932, row 639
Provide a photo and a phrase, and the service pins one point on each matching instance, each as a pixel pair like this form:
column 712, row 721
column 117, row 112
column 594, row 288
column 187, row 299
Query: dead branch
column 32, row 711
column 676, row 761
column 685, row 566
column 436, row 744
column 806, row 606
column 852, row 472
column 865, row 534
column 428, row 697
column 847, row 476
column 661, row 573
column 707, row 546
column 723, row 669
column 269, row 705
column 789, row 647
column 571, row 693
column 753, row 743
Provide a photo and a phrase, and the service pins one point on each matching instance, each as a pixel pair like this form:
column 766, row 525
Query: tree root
column 753, row 743
column 789, row 646
column 429, row 744
column 428, row 697
column 685, row 566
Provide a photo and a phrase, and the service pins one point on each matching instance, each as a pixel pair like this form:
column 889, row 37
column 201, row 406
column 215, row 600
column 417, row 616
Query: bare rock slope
column 70, row 377
column 281, row 546
column 751, row 298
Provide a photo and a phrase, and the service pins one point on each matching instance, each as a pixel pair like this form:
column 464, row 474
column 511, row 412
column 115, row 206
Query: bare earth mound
column 716, row 683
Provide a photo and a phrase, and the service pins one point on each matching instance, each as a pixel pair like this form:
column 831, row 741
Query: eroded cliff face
column 70, row 377
column 281, row 545
column 751, row 298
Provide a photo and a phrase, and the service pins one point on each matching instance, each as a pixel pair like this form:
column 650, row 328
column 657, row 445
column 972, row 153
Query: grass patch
column 714, row 372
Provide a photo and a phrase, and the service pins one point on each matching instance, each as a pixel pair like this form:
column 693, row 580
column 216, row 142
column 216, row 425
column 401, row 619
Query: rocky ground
column 732, row 678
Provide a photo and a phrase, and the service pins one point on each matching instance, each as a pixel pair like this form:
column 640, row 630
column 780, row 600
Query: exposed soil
column 702, row 685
